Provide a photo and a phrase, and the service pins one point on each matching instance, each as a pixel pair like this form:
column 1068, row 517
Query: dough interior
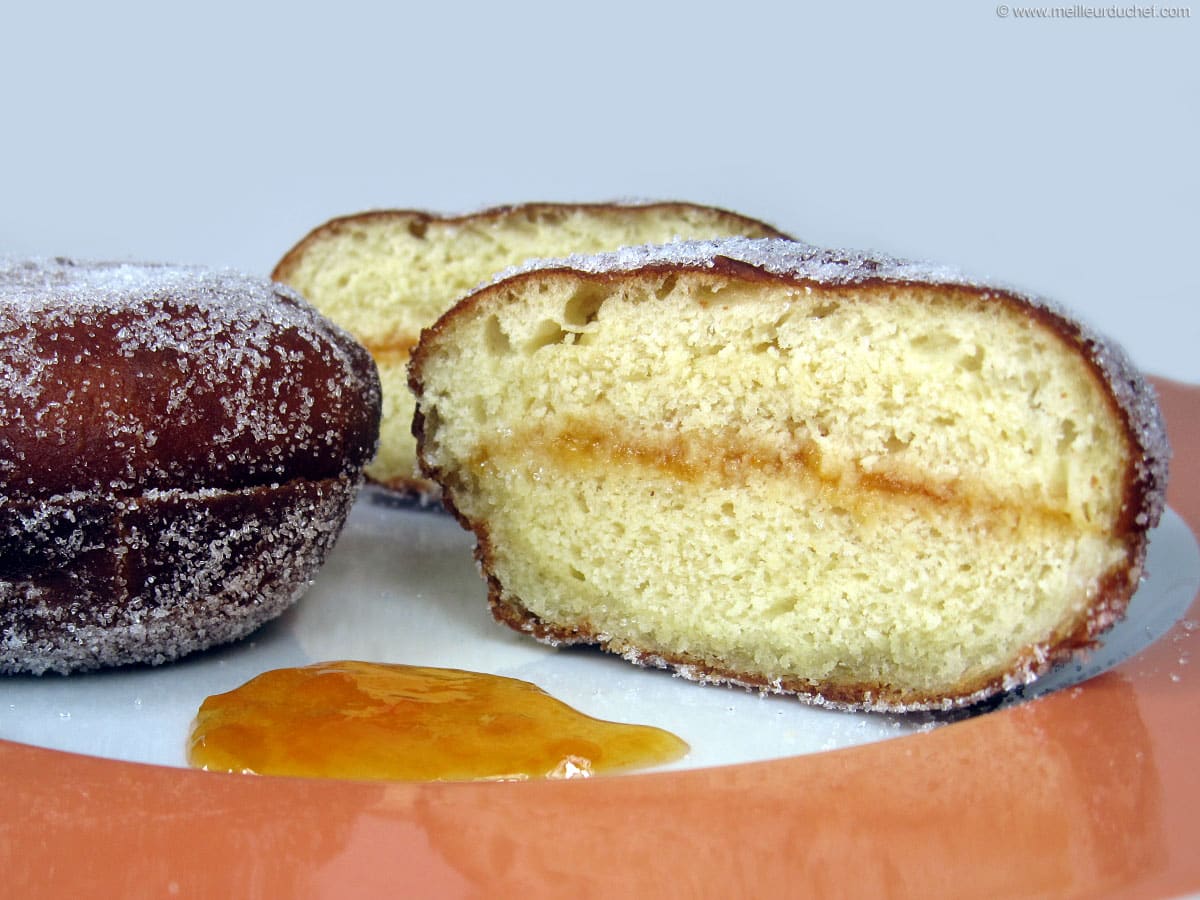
column 890, row 488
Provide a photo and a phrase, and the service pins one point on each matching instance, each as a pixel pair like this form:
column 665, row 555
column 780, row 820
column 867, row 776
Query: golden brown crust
column 1144, row 486
column 411, row 488
column 151, row 579
column 170, row 404
column 419, row 220
column 178, row 452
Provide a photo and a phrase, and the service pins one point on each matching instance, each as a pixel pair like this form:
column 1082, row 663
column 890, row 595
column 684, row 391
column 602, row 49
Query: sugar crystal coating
column 178, row 450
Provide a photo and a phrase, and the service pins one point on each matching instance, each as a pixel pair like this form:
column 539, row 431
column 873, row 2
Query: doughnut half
column 871, row 483
column 385, row 275
column 179, row 449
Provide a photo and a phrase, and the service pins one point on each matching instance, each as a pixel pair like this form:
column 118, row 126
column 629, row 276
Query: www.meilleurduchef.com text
column 1079, row 11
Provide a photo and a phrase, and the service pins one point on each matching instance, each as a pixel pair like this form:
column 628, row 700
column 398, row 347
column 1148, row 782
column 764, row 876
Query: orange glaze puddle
column 393, row 722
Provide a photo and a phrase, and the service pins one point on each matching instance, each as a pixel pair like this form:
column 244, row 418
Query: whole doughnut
column 179, row 449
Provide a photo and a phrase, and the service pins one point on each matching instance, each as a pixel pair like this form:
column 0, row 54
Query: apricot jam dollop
column 376, row 721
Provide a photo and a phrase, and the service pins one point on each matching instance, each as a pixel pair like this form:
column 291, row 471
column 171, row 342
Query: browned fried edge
column 1112, row 597
column 420, row 220
column 418, row 490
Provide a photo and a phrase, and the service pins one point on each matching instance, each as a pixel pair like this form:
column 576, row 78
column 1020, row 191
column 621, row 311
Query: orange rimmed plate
column 1088, row 791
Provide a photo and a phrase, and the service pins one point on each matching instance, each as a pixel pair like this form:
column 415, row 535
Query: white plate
column 401, row 586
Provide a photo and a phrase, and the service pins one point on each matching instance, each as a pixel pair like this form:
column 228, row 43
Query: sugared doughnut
column 872, row 483
column 179, row 449
column 385, row 275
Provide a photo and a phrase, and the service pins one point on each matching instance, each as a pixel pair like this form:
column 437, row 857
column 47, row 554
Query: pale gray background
column 1057, row 155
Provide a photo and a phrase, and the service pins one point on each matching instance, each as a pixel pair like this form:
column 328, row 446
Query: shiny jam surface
column 381, row 721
